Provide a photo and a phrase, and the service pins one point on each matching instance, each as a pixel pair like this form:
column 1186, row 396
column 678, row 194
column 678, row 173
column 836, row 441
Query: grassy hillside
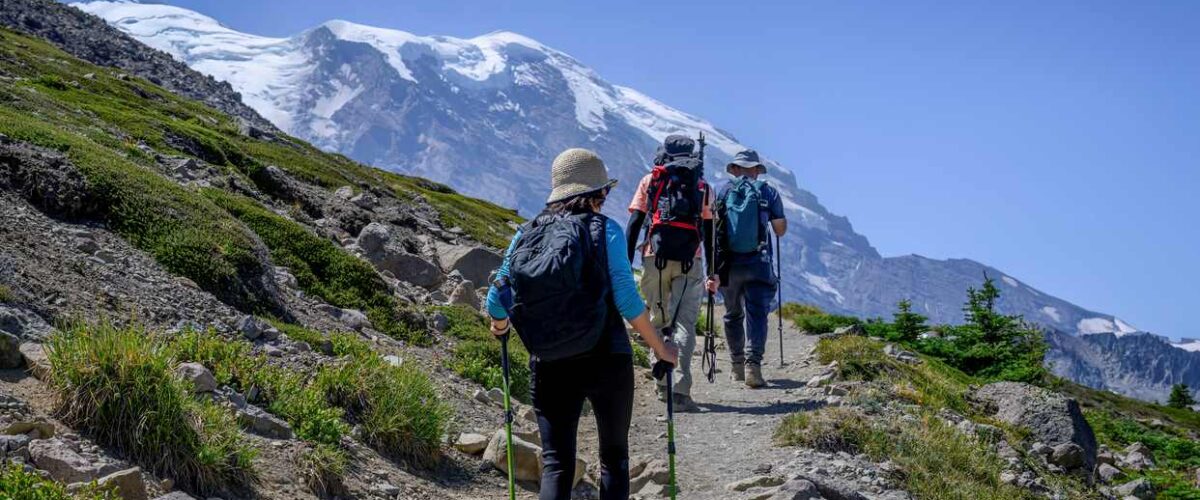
column 110, row 125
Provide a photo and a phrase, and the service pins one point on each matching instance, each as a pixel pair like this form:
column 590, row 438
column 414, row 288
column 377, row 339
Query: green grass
column 16, row 484
column 932, row 384
column 299, row 333
column 6, row 294
column 323, row 468
column 397, row 407
column 812, row 320
column 485, row 222
column 121, row 390
column 283, row 392
column 1176, row 454
column 477, row 356
column 937, row 461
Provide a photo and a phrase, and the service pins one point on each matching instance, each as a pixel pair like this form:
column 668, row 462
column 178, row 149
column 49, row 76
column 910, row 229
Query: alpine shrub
column 121, row 389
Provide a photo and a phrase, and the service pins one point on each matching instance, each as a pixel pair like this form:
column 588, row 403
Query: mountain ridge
column 486, row 114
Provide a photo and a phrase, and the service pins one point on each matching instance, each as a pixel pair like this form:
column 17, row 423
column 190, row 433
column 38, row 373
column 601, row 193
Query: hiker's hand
column 500, row 327
column 712, row 283
column 669, row 353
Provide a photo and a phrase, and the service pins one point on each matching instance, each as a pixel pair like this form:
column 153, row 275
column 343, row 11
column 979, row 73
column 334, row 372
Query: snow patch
column 1190, row 345
column 1123, row 327
column 1089, row 326
column 821, row 284
column 1011, row 282
column 1052, row 313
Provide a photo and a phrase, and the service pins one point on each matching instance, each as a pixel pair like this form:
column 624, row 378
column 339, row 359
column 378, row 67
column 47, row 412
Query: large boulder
column 36, row 360
column 1051, row 418
column 264, row 424
column 474, row 263
column 389, row 254
column 527, row 457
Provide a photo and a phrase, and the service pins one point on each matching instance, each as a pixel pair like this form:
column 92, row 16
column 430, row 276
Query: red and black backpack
column 676, row 197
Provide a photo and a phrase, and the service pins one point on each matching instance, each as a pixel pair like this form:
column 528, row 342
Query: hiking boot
column 684, row 404
column 738, row 371
column 754, row 378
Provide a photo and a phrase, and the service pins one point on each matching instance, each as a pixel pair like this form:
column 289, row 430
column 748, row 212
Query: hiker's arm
column 710, row 257
column 625, row 294
column 496, row 308
column 632, row 230
column 662, row 350
column 775, row 214
column 780, row 226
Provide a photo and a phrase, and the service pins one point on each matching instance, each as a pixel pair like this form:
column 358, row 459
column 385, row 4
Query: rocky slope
column 122, row 203
column 487, row 114
column 1143, row 366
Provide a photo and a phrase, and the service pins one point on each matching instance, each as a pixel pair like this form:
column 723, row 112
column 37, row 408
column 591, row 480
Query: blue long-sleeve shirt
column 624, row 288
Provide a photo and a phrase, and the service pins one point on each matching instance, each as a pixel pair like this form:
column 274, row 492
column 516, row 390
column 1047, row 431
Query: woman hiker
column 566, row 284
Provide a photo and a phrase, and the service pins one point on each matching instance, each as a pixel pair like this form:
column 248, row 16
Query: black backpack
column 676, row 199
column 559, row 277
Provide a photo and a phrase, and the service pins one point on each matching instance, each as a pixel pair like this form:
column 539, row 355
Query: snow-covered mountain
column 487, row 114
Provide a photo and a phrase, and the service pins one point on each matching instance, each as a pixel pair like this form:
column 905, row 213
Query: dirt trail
column 729, row 439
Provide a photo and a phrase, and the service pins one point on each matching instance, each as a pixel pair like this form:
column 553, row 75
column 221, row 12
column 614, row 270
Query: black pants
column 559, row 389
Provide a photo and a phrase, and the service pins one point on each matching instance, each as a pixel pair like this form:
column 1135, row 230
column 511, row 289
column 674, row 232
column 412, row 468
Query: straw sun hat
column 577, row 171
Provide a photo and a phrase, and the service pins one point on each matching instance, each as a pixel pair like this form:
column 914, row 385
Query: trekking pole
column 505, row 292
column 661, row 369
column 508, row 416
column 709, row 360
column 779, row 284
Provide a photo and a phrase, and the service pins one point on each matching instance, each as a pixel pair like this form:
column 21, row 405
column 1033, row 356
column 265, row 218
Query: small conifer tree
column 1181, row 397
column 908, row 325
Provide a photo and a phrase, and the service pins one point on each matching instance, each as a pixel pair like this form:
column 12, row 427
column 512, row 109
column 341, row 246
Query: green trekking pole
column 661, row 369
column 779, row 285
column 508, row 417
column 504, row 291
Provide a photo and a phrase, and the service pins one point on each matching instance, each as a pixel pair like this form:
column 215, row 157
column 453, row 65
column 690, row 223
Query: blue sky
column 1058, row 141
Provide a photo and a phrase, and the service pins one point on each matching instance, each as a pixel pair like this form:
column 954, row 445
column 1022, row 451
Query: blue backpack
column 742, row 208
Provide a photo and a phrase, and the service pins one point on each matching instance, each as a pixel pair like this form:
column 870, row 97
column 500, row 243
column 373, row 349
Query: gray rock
column 354, row 319
column 464, row 294
column 1138, row 488
column 439, row 322
column 1107, row 472
column 14, row 442
column 527, row 457
column 408, row 267
column 175, row 495
column 252, row 327
column 1051, row 418
column 344, row 192
column 10, row 351
column 264, row 424
column 471, row 444
column 365, row 201
column 476, row 264
column 200, row 378
column 393, row 360
column 128, row 484
column 63, row 463
column 755, row 482
column 374, row 237
column 1067, row 455
column 36, row 360
column 23, row 323
column 796, row 489
column 33, row 429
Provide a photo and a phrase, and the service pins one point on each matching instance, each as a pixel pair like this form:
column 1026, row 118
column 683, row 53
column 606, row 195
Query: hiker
column 570, row 289
column 679, row 205
column 746, row 207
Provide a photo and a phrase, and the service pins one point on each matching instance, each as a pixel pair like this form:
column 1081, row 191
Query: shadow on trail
column 769, row 409
column 786, row 383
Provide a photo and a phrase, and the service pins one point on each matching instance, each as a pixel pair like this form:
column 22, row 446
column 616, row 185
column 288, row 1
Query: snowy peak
column 486, row 115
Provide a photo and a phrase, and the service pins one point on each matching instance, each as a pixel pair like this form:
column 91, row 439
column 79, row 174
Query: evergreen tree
column 908, row 325
column 997, row 346
column 1181, row 397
